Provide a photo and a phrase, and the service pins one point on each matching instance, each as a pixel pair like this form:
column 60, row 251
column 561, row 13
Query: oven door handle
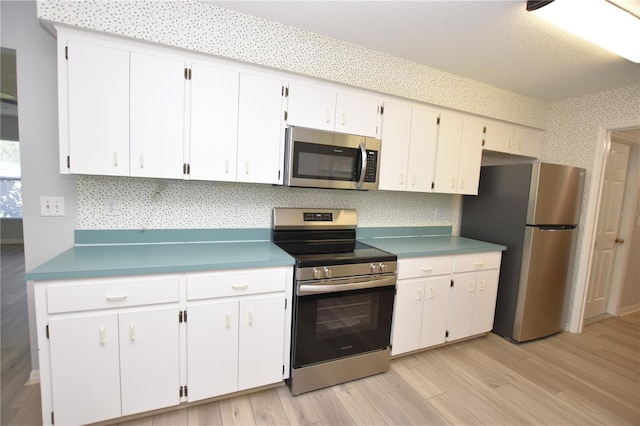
column 307, row 289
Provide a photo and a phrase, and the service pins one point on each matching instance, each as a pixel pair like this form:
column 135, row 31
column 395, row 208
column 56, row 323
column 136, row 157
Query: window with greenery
column 10, row 185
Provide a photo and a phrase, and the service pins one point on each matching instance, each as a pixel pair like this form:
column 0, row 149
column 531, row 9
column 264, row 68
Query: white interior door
column 607, row 230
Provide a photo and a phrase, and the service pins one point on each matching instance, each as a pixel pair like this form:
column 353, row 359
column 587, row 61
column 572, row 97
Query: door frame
column 603, row 144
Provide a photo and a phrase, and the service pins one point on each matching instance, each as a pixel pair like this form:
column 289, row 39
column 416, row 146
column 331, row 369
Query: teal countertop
column 423, row 241
column 129, row 252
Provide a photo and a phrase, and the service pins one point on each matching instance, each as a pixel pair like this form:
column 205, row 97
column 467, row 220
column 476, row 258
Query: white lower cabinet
column 112, row 347
column 112, row 365
column 435, row 304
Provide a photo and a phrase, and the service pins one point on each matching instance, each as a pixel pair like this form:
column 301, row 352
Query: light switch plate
column 51, row 206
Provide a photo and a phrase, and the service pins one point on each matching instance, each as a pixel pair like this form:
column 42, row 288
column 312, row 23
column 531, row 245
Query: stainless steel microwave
column 321, row 159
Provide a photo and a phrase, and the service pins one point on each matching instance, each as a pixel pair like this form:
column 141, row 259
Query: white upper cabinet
column 157, row 116
column 409, row 137
column 214, row 123
column 95, row 92
column 260, row 130
column 326, row 109
column 512, row 140
column 459, row 155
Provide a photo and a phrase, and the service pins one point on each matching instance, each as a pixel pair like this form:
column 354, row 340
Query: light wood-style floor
column 591, row 378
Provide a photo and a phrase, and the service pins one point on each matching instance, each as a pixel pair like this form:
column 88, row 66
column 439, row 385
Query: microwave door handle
column 363, row 165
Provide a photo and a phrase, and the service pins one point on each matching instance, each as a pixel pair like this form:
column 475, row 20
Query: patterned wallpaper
column 210, row 29
column 164, row 204
column 572, row 135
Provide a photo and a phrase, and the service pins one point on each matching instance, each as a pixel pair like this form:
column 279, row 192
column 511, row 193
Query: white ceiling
column 495, row 42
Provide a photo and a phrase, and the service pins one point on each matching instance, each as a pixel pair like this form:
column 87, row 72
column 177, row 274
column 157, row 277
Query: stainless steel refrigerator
column 534, row 210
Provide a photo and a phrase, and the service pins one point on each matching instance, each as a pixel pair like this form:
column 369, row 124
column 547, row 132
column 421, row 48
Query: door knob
column 618, row 241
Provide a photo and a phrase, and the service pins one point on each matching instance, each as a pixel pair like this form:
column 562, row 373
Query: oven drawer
column 477, row 261
column 84, row 295
column 235, row 283
column 424, row 266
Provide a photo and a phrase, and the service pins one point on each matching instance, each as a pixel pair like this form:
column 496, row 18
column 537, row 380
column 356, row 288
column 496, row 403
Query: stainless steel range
column 343, row 298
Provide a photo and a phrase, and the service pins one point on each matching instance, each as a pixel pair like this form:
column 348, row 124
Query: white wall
column 44, row 237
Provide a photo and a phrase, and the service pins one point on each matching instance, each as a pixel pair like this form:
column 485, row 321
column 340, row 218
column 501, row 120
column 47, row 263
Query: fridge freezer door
column 555, row 195
column 546, row 265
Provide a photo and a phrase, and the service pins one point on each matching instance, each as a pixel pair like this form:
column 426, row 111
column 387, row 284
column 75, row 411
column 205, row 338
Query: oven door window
column 326, row 162
column 335, row 325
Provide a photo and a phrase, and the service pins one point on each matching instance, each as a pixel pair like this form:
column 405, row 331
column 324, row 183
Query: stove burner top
column 334, row 253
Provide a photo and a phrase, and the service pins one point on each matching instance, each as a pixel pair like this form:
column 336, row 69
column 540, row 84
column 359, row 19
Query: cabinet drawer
column 424, row 266
column 477, row 261
column 103, row 294
column 236, row 283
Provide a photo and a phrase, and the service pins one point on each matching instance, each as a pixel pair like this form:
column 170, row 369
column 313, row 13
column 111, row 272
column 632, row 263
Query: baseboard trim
column 630, row 309
column 34, row 378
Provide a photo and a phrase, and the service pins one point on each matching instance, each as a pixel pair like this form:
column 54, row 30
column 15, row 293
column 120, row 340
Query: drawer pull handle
column 228, row 320
column 479, row 264
column 102, row 335
column 239, row 286
column 132, row 331
column 419, row 294
column 427, row 269
column 481, row 285
column 328, row 116
column 117, row 297
column 250, row 316
column 472, row 285
column 115, row 158
column 432, row 293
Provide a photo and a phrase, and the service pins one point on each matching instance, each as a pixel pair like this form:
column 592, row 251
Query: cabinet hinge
column 181, row 391
column 285, row 91
column 187, row 73
column 484, row 129
column 483, row 142
column 285, row 303
column 52, row 419
column 438, row 120
column 446, row 333
column 47, row 330
column 279, row 173
column 182, row 316
column 66, row 52
column 186, row 169
column 451, row 283
column 285, row 115
column 283, row 369
column 186, row 391
column 433, row 185
column 381, row 110
column 68, row 161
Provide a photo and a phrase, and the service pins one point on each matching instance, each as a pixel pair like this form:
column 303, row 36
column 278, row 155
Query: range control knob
column 383, row 267
column 317, row 273
column 374, row 268
column 328, row 272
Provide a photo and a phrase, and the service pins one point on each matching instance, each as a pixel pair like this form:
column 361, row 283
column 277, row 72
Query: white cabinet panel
column 435, row 316
column 396, row 135
column 422, row 150
column 212, row 349
column 512, row 140
column 407, row 316
column 214, row 123
column 527, row 143
column 499, row 138
column 311, row 107
column 149, row 360
column 98, row 108
column 157, row 116
column 356, row 115
column 85, row 369
column 261, row 323
column 462, row 300
column 448, row 157
column 470, row 157
column 485, row 302
column 260, row 130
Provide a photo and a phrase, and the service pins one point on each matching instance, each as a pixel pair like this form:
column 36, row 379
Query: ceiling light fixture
column 598, row 21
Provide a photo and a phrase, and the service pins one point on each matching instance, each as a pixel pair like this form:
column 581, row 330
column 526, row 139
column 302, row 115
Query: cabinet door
column 356, row 115
column 98, row 105
column 212, row 349
column 149, row 360
column 157, row 116
column 85, row 369
column 499, row 138
column 261, row 354
column 435, row 316
column 485, row 302
column 407, row 316
column 470, row 157
column 448, row 154
column 260, row 130
column 311, row 107
column 462, row 301
column 422, row 150
column 527, row 142
column 396, row 136
column 213, row 138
